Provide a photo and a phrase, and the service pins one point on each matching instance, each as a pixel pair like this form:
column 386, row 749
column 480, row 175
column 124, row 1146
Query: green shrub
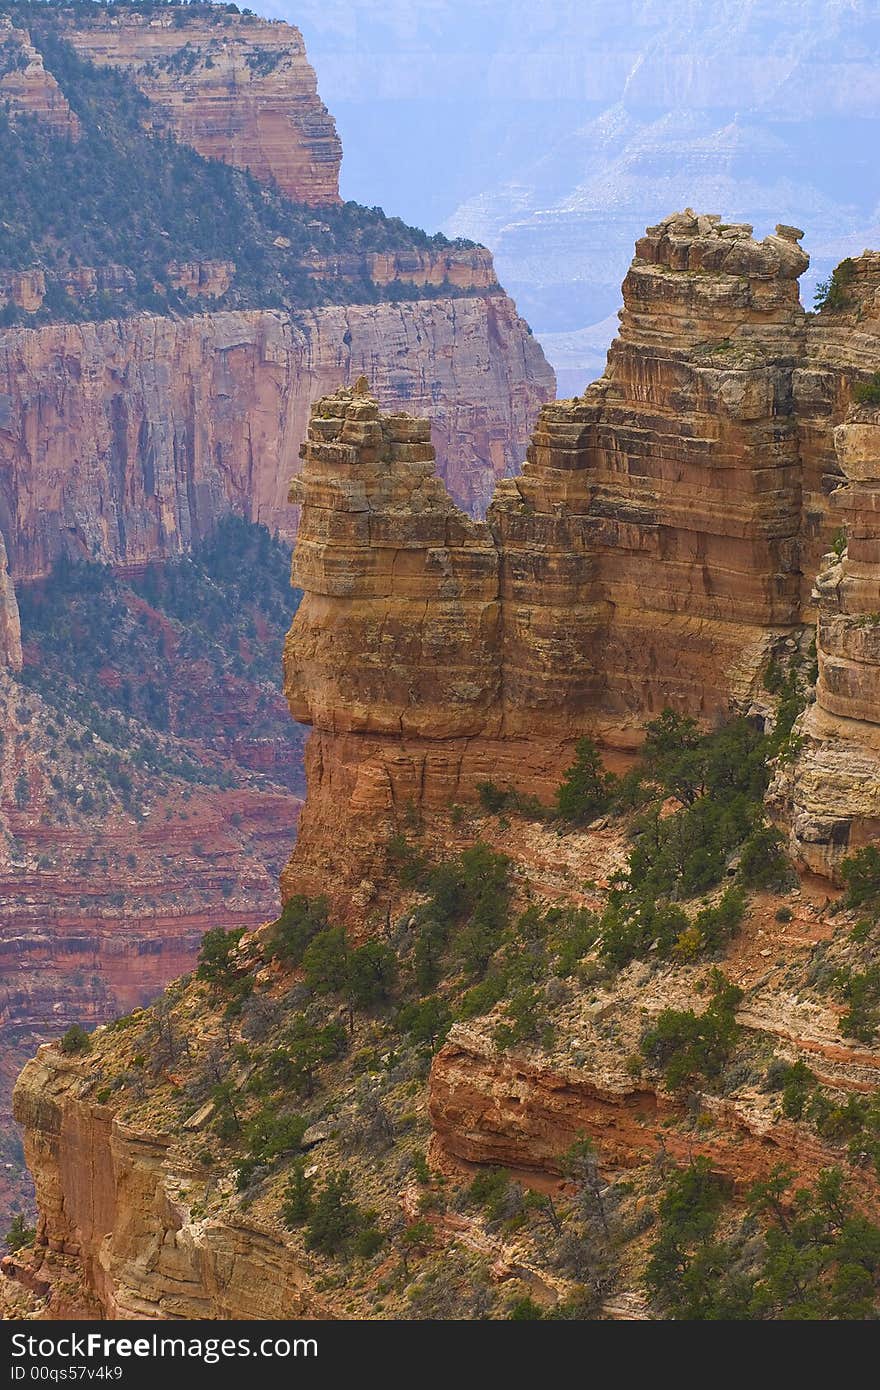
column 798, row 1085
column 832, row 294
column 217, row 957
column 75, row 1040
column 686, row 1046
column 426, row 1021
column 762, row 861
column 301, row 920
column 867, row 392
column 860, row 989
column 861, row 874
column 19, row 1234
column 586, row 790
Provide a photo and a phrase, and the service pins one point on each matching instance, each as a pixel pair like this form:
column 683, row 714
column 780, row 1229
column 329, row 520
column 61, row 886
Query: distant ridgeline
column 107, row 213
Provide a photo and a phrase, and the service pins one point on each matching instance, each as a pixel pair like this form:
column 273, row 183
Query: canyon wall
column 124, row 441
column 235, row 87
column 111, row 1195
column 26, row 88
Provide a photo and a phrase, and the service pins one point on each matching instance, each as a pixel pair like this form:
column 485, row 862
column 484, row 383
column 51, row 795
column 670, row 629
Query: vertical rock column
column 650, row 545
column 828, row 796
column 394, row 654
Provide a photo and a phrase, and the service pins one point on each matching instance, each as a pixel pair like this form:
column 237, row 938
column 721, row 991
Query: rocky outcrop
column 651, row 541
column 110, row 1194
column 524, row 1113
column 124, row 441
column 647, row 554
column 828, row 793
column 235, row 87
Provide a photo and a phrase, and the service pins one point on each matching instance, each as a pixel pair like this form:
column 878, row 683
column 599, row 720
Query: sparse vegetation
column 75, row 1040
column 686, row 1046
column 19, row 1235
column 813, row 1257
column 126, row 196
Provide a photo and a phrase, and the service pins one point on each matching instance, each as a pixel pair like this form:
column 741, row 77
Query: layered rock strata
column 647, row 554
column 10, row 623
column 828, row 794
column 235, row 87
column 111, row 1195
column 26, row 88
column 657, row 517
column 124, row 441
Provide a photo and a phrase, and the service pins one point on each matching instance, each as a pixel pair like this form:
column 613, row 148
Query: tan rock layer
column 26, row 88
column 109, row 1194
column 524, row 1114
column 235, row 87
column 828, row 795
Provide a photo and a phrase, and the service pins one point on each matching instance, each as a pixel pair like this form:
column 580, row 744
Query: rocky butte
column 655, row 552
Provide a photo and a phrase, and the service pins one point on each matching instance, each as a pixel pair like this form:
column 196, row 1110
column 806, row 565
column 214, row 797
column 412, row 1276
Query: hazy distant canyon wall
column 123, row 441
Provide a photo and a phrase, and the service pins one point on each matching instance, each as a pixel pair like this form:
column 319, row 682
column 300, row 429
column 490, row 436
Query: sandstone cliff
column 235, row 87
column 150, row 1207
column 124, row 441
column 646, row 556
column 10, row 624
column 828, row 794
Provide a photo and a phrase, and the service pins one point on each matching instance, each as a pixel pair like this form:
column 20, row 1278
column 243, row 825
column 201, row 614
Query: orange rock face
column 157, row 426
column 235, row 87
column 647, row 554
column 828, row 795
column 524, row 1113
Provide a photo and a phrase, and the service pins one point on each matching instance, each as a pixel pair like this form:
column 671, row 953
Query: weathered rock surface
column 523, row 1113
column 26, row 88
column 125, row 440
column 10, row 624
column 647, row 554
column 110, row 1194
column 828, row 795
column 235, row 87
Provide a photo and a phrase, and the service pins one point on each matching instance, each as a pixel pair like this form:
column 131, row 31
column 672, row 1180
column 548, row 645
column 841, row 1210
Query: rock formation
column 647, row 555
column 828, row 793
column 650, row 553
column 97, row 1175
column 10, row 625
column 235, row 87
column 26, row 88
column 124, row 441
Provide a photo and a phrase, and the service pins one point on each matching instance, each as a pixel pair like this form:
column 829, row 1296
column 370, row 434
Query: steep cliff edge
column 234, row 86
column 461, row 977
column 646, row 556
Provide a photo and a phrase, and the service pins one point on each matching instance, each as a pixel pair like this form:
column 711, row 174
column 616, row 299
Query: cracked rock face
column 829, row 795
column 158, row 426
